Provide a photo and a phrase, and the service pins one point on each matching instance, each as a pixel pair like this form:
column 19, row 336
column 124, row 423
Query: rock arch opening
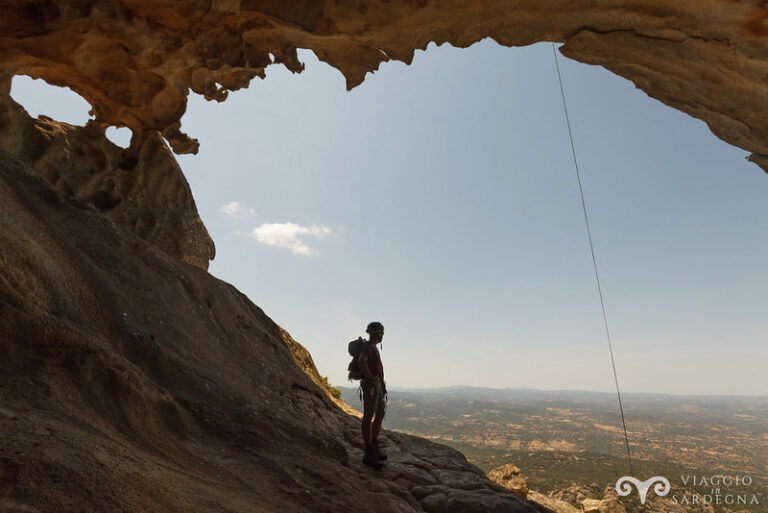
column 114, row 344
column 58, row 103
column 393, row 147
column 120, row 136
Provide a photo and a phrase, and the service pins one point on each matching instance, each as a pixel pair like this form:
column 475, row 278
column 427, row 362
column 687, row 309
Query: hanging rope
column 594, row 260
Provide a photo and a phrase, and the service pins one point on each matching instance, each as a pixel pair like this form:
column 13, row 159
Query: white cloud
column 287, row 235
column 231, row 209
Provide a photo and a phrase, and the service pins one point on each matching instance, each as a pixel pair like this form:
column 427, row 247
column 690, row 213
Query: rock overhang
column 136, row 61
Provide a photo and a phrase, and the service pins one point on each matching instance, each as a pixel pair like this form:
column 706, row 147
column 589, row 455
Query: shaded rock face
column 132, row 381
column 305, row 362
column 135, row 61
column 144, row 191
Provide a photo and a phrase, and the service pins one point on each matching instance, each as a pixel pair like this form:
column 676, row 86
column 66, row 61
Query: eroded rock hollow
column 136, row 60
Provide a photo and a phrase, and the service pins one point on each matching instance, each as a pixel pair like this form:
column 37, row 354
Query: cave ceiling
column 135, row 61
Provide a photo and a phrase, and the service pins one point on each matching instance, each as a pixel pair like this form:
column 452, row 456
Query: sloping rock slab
column 131, row 381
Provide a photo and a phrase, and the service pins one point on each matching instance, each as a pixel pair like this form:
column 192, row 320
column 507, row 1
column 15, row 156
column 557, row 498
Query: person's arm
column 363, row 363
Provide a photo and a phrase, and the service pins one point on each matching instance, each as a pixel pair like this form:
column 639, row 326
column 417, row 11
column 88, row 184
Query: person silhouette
column 374, row 391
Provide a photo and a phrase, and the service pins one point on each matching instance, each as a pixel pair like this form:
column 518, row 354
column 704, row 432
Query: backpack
column 354, row 349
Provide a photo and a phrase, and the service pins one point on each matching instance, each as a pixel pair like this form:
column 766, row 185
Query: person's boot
column 380, row 455
column 370, row 459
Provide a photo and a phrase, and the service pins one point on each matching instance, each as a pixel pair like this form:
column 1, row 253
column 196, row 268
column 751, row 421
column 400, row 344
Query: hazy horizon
column 398, row 388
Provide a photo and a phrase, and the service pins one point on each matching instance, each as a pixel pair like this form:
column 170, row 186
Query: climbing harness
column 594, row 260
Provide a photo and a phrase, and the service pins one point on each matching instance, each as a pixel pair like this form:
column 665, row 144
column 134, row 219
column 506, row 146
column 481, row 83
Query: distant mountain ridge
column 584, row 395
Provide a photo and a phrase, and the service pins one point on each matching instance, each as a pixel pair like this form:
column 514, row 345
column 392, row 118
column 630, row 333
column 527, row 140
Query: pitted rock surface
column 144, row 191
column 135, row 61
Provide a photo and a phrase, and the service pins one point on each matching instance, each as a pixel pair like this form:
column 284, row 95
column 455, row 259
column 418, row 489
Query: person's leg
column 369, row 405
column 377, row 420
column 368, row 411
column 376, row 429
column 381, row 394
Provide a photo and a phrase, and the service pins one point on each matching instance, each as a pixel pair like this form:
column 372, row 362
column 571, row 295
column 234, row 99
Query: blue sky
column 440, row 199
